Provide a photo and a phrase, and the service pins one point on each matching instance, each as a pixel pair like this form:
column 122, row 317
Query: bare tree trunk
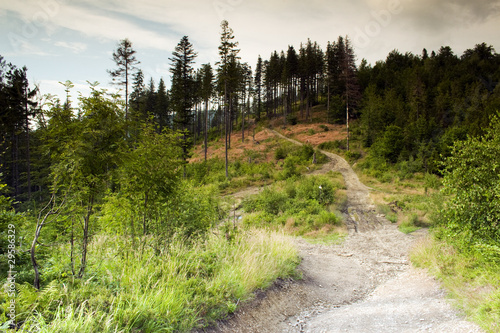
column 226, row 122
column 206, row 129
column 40, row 223
column 28, row 155
column 85, row 240
column 347, row 121
column 36, row 281
column 243, row 123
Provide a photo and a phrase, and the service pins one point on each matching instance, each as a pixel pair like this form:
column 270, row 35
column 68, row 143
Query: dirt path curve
column 366, row 284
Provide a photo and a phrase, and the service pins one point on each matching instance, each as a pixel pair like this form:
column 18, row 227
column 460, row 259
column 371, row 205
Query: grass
column 472, row 280
column 184, row 286
column 305, row 206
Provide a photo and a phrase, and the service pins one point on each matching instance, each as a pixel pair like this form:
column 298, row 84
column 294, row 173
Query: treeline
column 415, row 107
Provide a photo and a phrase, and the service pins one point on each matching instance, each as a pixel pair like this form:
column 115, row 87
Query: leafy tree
column 125, row 60
column 150, row 172
column 88, row 159
column 472, row 178
column 138, row 96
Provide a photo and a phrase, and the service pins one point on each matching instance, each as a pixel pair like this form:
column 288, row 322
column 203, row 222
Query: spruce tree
column 207, row 90
column 225, row 75
column 258, row 88
column 183, row 92
column 125, row 60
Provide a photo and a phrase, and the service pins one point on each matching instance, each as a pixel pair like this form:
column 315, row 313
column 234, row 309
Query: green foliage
column 178, row 287
column 391, row 144
column 290, row 167
column 334, row 146
column 468, row 273
column 352, row 156
column 410, row 224
column 301, row 206
column 292, row 119
column 472, row 178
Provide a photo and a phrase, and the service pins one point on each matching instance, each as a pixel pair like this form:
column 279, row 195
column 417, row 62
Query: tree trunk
column 226, row 122
column 36, row 281
column 206, row 129
column 28, row 155
column 85, row 240
column 347, row 121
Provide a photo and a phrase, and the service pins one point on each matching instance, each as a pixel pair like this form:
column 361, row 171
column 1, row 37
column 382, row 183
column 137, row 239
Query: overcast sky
column 61, row 40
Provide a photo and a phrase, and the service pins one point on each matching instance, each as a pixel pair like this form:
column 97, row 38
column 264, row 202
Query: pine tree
column 207, row 90
column 225, row 76
column 349, row 77
column 258, row 88
column 183, row 92
column 125, row 60
column 161, row 107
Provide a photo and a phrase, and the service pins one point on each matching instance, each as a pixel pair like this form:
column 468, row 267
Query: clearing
column 365, row 284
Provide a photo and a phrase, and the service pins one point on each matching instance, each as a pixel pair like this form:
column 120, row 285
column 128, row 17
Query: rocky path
column 366, row 284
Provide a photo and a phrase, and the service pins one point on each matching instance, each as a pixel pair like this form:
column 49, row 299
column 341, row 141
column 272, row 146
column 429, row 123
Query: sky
column 59, row 40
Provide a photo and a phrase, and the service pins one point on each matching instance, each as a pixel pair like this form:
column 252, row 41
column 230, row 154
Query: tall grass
column 183, row 286
column 470, row 275
column 307, row 206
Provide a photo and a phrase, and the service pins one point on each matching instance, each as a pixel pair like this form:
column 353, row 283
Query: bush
column 337, row 145
column 472, row 178
column 292, row 119
column 352, row 156
column 177, row 288
column 301, row 206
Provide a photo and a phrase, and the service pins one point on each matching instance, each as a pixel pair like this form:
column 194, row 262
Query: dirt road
column 366, row 284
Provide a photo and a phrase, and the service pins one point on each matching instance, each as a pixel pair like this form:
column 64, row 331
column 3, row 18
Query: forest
column 102, row 205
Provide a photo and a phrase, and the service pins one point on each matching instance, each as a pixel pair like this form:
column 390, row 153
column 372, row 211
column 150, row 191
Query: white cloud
column 75, row 47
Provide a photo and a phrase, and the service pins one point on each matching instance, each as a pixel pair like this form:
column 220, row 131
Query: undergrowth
column 303, row 206
column 469, row 274
column 185, row 285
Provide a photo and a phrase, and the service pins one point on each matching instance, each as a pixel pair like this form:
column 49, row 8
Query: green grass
column 410, row 224
column 184, row 286
column 306, row 206
column 470, row 275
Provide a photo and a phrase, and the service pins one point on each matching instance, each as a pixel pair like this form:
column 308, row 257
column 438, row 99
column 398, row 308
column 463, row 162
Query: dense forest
column 109, row 174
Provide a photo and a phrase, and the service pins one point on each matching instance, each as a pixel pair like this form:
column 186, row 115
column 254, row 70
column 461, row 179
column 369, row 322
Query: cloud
column 436, row 16
column 75, row 47
column 43, row 18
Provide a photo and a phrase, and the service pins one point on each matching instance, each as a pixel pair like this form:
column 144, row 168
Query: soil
column 365, row 284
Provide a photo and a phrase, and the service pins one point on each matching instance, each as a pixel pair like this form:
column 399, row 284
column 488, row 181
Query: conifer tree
column 125, row 60
column 183, row 92
column 161, row 107
column 258, row 88
column 228, row 58
column 207, row 78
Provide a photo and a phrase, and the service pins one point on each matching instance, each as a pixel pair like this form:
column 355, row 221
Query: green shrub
column 177, row 288
column 334, row 146
column 410, row 224
column 352, row 156
column 471, row 177
column 292, row 119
